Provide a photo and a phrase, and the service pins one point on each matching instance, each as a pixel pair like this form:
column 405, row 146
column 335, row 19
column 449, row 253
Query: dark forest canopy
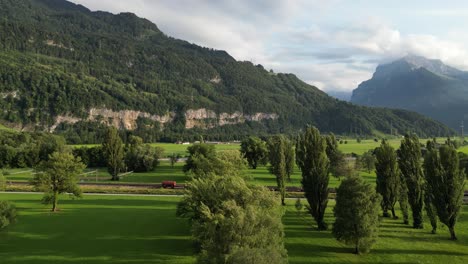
column 58, row 58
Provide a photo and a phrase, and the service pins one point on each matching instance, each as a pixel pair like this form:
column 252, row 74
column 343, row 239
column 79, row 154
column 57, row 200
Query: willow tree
column 311, row 157
column 447, row 183
column 410, row 163
column 388, row 177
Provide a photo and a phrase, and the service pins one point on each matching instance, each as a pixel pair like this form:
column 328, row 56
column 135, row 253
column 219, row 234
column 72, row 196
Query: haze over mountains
column 71, row 71
column 419, row 84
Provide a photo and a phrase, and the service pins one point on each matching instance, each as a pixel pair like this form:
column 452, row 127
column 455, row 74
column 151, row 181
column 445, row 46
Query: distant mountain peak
column 414, row 62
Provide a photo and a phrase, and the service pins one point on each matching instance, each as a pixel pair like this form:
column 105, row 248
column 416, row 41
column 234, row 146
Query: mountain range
column 71, row 71
column 418, row 84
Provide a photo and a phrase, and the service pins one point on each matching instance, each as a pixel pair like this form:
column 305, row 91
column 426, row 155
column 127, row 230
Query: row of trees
column 134, row 155
column 435, row 183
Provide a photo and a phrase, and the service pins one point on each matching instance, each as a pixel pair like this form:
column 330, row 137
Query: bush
column 7, row 214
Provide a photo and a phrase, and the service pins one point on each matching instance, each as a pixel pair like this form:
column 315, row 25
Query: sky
column 332, row 44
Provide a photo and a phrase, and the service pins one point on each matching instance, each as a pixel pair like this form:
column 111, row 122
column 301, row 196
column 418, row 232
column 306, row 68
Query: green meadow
column 144, row 229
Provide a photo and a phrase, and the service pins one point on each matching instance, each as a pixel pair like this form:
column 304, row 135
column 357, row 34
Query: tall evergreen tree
column 403, row 200
column 447, row 183
column 311, row 157
column 410, row 165
column 277, row 152
column 356, row 214
column 388, row 177
column 114, row 152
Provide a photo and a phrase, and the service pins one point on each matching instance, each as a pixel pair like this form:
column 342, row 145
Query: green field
column 143, row 229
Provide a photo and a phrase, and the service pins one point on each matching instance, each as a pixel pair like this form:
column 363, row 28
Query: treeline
column 26, row 150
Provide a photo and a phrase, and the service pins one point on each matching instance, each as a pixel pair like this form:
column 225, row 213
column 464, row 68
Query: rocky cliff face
column 204, row 118
column 200, row 118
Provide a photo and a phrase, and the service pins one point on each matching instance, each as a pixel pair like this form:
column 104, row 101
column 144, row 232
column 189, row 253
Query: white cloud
column 295, row 36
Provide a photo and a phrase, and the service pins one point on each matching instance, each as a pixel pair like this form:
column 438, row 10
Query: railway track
column 179, row 186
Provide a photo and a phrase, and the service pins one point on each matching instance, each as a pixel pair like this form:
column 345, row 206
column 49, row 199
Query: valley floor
column 144, row 229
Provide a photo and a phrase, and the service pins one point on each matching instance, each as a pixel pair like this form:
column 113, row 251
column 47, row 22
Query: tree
column 336, row 157
column 356, row 214
column 113, row 149
column 201, row 160
column 447, row 184
column 277, row 150
column 141, row 157
column 311, row 157
column 403, row 200
column 233, row 222
column 174, row 158
column 409, row 161
column 290, row 158
column 7, row 214
column 254, row 150
column 388, row 177
column 367, row 160
column 431, row 211
column 58, row 175
column 3, row 182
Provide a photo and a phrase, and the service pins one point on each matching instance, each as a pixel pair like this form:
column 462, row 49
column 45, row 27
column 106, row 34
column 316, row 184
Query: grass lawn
column 137, row 229
column 397, row 243
column 96, row 229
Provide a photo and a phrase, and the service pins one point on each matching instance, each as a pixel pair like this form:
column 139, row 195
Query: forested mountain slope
column 68, row 70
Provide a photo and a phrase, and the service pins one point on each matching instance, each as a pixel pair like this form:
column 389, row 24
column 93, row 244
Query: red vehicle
column 168, row 184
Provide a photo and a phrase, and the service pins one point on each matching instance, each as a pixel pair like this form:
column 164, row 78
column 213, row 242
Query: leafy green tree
column 7, row 214
column 311, row 157
column 254, row 150
column 410, row 164
column 277, row 150
column 233, row 222
column 174, row 158
column 201, row 160
column 58, row 175
column 367, row 160
column 114, row 152
column 447, row 183
column 388, row 177
column 356, row 214
column 336, row 157
column 3, row 182
column 141, row 157
column 231, row 162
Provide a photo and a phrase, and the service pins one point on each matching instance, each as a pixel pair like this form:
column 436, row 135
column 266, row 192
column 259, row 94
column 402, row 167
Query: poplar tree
column 278, row 150
column 447, row 184
column 428, row 204
column 311, row 157
column 114, row 152
column 335, row 156
column 410, row 165
column 290, row 158
column 388, row 178
column 356, row 214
